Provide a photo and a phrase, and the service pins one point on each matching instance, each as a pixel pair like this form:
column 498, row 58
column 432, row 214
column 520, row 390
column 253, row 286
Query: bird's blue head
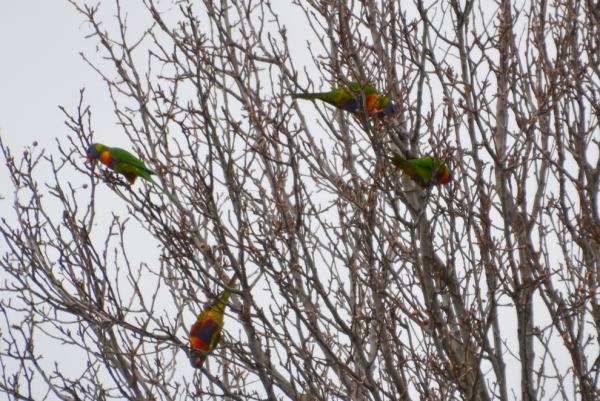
column 94, row 151
column 389, row 111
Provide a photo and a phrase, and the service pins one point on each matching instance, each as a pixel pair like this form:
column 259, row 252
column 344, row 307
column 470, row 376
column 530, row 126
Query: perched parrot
column 206, row 332
column 121, row 162
column 424, row 171
column 345, row 99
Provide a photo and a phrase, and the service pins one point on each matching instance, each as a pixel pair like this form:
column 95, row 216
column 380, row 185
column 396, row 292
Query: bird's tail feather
column 149, row 178
column 225, row 296
column 397, row 160
column 308, row 95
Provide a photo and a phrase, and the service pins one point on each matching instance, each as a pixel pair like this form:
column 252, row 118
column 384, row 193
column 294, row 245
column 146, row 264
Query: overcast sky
column 40, row 69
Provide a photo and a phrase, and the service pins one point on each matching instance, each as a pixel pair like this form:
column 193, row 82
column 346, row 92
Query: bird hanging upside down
column 206, row 332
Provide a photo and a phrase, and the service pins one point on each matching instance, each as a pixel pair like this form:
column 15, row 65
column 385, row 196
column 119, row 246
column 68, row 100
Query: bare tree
column 354, row 283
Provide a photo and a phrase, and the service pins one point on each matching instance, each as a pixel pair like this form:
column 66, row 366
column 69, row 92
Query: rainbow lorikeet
column 206, row 332
column 345, row 99
column 425, row 171
column 121, row 162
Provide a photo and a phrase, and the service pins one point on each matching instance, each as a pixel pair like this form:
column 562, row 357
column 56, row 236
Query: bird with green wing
column 425, row 171
column 121, row 162
column 345, row 99
column 206, row 332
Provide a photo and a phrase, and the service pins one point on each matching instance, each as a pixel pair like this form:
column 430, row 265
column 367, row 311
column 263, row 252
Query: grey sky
column 40, row 68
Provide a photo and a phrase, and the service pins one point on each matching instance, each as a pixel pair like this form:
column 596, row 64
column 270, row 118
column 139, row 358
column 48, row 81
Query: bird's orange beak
column 88, row 159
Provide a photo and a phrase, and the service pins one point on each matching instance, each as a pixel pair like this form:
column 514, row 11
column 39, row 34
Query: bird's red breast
column 106, row 159
column 443, row 176
column 201, row 334
column 372, row 103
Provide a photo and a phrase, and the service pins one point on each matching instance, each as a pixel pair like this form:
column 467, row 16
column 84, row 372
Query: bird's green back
column 425, row 163
column 121, row 155
column 368, row 89
column 419, row 170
